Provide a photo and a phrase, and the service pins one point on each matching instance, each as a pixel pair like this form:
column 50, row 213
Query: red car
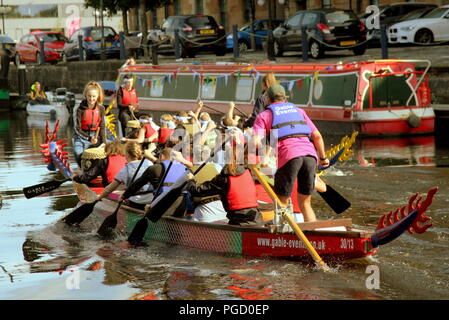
column 28, row 48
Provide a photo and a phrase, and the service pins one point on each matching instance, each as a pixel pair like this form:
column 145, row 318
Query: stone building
column 229, row 12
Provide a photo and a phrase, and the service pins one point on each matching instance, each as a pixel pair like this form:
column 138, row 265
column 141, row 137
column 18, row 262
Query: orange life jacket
column 115, row 164
column 91, row 119
column 149, row 131
column 242, row 192
column 129, row 97
column 164, row 133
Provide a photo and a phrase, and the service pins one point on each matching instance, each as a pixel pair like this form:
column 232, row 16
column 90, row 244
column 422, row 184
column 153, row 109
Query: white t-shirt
column 125, row 175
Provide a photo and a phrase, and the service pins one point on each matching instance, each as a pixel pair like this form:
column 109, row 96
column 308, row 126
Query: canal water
column 41, row 258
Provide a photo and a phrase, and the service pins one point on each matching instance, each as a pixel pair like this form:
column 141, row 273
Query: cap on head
column 133, row 124
column 276, row 92
column 94, row 153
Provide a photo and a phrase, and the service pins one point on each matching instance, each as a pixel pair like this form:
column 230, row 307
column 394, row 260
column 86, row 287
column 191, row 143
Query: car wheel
column 359, row 50
column 278, row 52
column 243, row 47
column 316, row 50
column 424, row 36
column 17, row 60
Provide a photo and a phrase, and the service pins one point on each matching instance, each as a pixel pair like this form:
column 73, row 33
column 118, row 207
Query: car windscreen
column 244, row 27
column 96, row 33
column 6, row 39
column 52, row 37
column 340, row 17
column 436, row 13
column 201, row 22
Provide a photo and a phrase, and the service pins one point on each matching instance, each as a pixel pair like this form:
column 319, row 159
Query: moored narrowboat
column 379, row 97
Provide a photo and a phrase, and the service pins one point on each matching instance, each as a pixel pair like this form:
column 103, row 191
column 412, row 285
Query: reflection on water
column 414, row 151
column 39, row 255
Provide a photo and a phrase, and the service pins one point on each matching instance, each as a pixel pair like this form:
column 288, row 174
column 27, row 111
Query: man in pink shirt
column 297, row 154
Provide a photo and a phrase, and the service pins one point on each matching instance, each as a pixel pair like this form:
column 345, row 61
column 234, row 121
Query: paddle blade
column 109, row 223
column 79, row 214
column 335, row 200
column 138, row 232
column 38, row 189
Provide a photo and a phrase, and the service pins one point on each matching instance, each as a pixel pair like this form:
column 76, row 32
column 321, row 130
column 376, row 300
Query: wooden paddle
column 110, row 222
column 290, row 221
column 41, row 188
column 164, row 201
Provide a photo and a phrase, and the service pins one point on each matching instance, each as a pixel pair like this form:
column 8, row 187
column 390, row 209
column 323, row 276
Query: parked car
column 28, row 47
column 328, row 29
column 92, row 44
column 260, row 30
column 390, row 14
column 196, row 33
column 9, row 44
column 433, row 27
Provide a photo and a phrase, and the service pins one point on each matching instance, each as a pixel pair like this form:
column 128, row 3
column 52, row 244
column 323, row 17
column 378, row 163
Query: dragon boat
column 335, row 239
column 379, row 97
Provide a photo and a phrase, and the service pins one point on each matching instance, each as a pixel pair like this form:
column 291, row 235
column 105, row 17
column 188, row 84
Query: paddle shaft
column 38, row 189
column 111, row 221
column 292, row 223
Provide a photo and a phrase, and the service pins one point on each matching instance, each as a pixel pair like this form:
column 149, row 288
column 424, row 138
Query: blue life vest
column 177, row 169
column 288, row 121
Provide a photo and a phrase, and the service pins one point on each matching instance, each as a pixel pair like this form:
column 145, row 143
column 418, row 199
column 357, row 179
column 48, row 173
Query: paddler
column 297, row 155
column 133, row 154
column 101, row 162
column 146, row 133
column 236, row 189
column 38, row 95
column 89, row 120
column 127, row 100
column 206, row 208
column 153, row 176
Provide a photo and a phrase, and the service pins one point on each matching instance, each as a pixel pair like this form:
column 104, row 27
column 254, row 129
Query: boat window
column 208, row 88
column 244, row 89
column 157, row 87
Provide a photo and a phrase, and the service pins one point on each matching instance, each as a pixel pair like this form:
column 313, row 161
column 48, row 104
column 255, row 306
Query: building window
column 326, row 4
column 177, row 9
column 199, row 6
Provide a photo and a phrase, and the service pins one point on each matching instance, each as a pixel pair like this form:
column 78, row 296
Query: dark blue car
column 92, row 44
column 261, row 34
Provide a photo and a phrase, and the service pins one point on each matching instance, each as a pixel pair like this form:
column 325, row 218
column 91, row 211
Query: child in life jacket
column 101, row 165
column 133, row 154
column 127, row 101
column 89, row 123
column 153, row 176
column 145, row 133
column 236, row 188
column 167, row 127
column 38, row 95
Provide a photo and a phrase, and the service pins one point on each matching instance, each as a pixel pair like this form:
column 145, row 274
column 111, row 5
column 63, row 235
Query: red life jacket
column 91, row 119
column 149, row 131
column 115, row 164
column 164, row 133
column 129, row 97
column 242, row 192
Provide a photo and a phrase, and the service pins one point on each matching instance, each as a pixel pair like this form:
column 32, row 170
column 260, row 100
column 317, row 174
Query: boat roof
column 306, row 67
